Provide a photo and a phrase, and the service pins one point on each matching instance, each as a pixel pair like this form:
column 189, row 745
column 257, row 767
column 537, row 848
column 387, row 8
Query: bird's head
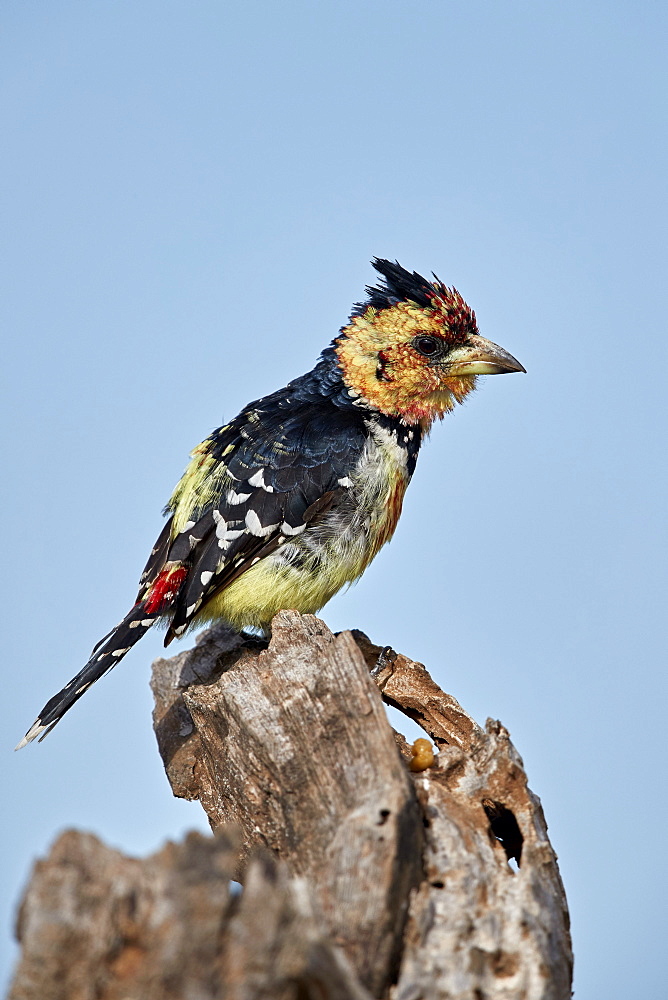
column 413, row 349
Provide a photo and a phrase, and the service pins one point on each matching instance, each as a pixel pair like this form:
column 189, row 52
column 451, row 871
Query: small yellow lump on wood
column 423, row 755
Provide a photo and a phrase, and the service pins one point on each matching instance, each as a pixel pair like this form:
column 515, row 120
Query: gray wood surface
column 360, row 878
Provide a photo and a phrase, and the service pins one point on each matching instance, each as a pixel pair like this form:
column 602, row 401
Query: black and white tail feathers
column 105, row 655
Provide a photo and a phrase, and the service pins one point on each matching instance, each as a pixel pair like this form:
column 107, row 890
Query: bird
column 290, row 501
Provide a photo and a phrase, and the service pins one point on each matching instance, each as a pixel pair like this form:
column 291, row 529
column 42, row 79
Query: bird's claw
column 386, row 658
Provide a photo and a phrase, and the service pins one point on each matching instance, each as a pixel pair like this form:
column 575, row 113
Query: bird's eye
column 429, row 346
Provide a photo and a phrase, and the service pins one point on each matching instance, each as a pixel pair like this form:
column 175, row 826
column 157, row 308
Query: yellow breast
column 307, row 571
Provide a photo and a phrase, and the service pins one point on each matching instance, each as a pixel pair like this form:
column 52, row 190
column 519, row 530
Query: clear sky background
column 191, row 193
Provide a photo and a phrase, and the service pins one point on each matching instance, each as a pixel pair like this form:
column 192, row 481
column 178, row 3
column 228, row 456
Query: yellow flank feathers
column 255, row 597
column 198, row 486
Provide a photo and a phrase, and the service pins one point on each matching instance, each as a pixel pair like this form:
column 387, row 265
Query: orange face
column 417, row 362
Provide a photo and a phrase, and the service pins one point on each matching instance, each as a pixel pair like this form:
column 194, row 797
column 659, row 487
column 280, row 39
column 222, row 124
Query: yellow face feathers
column 416, row 360
column 392, row 357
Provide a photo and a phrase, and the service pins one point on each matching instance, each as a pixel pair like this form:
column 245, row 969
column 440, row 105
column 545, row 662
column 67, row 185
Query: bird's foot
column 386, row 658
column 251, row 640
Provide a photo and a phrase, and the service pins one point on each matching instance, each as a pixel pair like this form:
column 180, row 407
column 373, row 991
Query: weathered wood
column 96, row 925
column 290, row 741
column 370, row 882
column 408, row 686
column 478, row 926
column 293, row 744
column 277, row 947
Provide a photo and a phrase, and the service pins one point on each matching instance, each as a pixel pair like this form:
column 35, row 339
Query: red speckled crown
column 400, row 285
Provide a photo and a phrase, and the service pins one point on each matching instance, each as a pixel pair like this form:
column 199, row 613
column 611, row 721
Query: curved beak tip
column 482, row 357
column 518, row 368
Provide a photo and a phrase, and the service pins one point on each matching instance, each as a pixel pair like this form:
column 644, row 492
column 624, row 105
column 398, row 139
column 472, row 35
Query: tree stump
column 361, row 877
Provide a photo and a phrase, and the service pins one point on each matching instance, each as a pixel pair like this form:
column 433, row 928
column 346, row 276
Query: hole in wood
column 505, row 829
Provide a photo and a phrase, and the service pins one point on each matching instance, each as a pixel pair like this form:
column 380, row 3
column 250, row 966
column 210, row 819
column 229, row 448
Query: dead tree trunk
column 362, row 879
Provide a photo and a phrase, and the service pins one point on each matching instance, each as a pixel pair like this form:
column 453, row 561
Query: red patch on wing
column 165, row 589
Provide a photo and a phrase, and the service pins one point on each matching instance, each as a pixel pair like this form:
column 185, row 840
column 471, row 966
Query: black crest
column 397, row 285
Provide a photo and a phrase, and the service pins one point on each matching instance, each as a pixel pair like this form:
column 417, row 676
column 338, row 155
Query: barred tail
column 105, row 655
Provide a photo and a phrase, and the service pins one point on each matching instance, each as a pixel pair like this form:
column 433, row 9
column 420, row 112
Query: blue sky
column 190, row 197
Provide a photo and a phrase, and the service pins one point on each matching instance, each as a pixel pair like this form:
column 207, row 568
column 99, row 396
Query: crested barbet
column 292, row 499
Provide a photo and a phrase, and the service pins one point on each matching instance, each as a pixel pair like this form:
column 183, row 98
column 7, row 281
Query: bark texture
column 361, row 879
column 96, row 925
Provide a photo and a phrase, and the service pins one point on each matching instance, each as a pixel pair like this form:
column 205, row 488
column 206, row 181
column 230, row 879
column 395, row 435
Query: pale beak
column 481, row 357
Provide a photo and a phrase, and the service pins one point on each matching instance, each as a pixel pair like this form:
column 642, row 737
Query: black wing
column 273, row 471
